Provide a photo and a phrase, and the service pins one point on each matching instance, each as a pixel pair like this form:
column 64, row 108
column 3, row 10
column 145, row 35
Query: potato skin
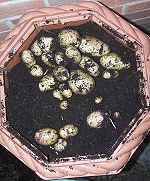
column 69, row 37
column 47, row 83
column 28, row 58
column 81, row 83
column 61, row 73
column 95, row 119
column 73, row 53
column 93, row 46
column 36, row 70
column 68, row 130
column 46, row 136
column 112, row 61
column 89, row 65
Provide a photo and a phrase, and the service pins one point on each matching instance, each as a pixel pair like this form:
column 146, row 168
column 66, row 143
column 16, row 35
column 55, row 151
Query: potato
column 89, row 65
column 81, row 83
column 95, row 119
column 36, row 71
column 68, row 130
column 46, row 136
column 47, row 83
column 73, row 53
column 93, row 46
column 112, row 61
column 35, row 48
column 45, row 43
column 69, row 37
column 28, row 58
column 61, row 73
column 60, row 145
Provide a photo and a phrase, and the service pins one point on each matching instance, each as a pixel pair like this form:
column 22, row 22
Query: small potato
column 61, row 73
column 95, row 119
column 35, row 48
column 45, row 43
column 57, row 94
column 98, row 99
column 68, row 130
column 28, row 58
column 36, row 71
column 60, row 145
column 112, row 61
column 69, row 37
column 66, row 92
column 48, row 59
column 93, row 46
column 47, row 83
column 59, row 58
column 64, row 105
column 89, row 65
column 46, row 136
column 117, row 115
column 73, row 53
column 107, row 75
column 80, row 82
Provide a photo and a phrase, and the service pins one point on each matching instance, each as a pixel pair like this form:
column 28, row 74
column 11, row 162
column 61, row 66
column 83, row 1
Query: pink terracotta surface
column 62, row 14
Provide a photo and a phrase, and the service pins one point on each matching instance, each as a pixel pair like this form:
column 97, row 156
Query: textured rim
column 79, row 168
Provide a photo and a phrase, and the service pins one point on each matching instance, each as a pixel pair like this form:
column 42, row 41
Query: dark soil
column 29, row 110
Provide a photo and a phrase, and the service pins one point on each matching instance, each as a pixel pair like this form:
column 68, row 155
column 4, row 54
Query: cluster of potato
column 64, row 82
column 49, row 136
column 80, row 81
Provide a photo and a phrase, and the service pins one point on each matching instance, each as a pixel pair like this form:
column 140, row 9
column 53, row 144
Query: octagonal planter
column 59, row 17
